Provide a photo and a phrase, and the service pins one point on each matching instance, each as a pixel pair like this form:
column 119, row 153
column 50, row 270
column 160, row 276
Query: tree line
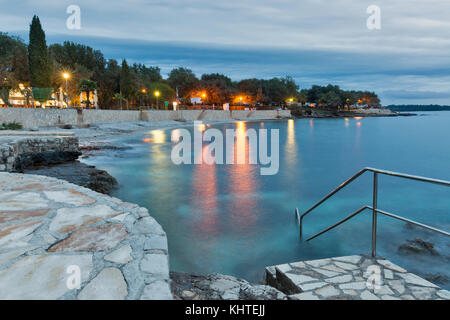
column 41, row 67
column 418, row 107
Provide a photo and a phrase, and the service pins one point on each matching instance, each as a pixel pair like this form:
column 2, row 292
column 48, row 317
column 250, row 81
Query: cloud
column 315, row 41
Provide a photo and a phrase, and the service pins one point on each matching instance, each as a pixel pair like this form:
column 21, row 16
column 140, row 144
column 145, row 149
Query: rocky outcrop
column 22, row 149
column 418, row 246
column 219, row 287
column 80, row 174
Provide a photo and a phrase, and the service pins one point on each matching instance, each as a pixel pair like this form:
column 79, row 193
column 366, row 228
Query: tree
column 277, row 90
column 87, row 86
column 38, row 58
column 120, row 97
column 110, row 83
column 183, row 79
column 217, row 87
column 10, row 75
column 126, row 84
column 252, row 88
column 165, row 92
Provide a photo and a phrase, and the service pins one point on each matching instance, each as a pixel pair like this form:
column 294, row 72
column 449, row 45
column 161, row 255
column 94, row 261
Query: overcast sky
column 314, row 41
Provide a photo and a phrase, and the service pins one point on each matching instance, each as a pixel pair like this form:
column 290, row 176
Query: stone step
column 357, row 277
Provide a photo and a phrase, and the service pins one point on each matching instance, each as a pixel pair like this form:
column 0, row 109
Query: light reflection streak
column 243, row 188
column 205, row 190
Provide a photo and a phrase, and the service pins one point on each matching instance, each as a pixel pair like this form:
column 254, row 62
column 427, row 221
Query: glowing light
column 158, row 136
column 357, row 118
column 147, row 140
column 204, row 95
column 66, row 75
column 143, row 90
column 157, row 93
column 176, row 135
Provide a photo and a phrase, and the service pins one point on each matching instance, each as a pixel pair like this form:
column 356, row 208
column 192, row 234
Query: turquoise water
column 230, row 219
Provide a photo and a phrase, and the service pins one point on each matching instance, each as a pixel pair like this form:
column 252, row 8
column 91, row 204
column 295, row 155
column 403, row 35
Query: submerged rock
column 418, row 246
column 219, row 287
column 80, row 174
column 437, row 278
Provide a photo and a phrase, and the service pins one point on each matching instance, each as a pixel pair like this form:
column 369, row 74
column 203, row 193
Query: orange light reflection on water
column 204, row 188
column 243, row 187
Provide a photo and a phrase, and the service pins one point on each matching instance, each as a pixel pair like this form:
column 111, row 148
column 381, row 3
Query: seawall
column 32, row 118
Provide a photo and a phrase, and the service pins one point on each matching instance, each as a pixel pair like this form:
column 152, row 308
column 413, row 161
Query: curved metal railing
column 373, row 208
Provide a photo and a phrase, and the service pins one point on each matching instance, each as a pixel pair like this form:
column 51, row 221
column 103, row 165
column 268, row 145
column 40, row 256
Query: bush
column 11, row 126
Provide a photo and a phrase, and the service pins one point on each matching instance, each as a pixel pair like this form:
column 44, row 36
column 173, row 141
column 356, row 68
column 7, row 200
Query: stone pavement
column 62, row 241
column 351, row 278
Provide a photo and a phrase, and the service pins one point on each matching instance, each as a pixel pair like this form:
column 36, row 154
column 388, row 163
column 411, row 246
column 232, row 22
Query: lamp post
column 157, row 100
column 66, row 76
column 143, row 92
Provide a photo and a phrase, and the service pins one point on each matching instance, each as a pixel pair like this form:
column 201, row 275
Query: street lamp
column 204, row 98
column 143, row 92
column 66, row 76
column 157, row 101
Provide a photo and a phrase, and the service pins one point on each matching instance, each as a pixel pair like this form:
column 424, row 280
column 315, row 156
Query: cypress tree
column 126, row 83
column 38, row 58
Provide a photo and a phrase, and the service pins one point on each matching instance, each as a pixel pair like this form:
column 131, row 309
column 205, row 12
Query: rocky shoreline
column 320, row 114
column 78, row 173
column 219, row 287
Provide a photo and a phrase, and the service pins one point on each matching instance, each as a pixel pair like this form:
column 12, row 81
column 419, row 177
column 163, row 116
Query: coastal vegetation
column 418, row 107
column 11, row 126
column 41, row 67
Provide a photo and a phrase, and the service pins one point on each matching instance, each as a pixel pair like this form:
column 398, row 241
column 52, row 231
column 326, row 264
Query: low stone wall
column 106, row 116
column 24, row 149
column 32, row 118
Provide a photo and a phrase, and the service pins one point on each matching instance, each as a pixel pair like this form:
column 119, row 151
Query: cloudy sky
column 314, row 41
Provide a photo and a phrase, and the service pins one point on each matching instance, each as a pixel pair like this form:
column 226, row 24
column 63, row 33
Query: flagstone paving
column 356, row 277
column 53, row 233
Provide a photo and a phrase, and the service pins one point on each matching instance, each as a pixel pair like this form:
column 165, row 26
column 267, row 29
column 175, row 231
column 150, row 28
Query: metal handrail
column 374, row 208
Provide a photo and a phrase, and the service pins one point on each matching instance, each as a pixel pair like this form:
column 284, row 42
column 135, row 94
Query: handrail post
column 300, row 226
column 374, row 214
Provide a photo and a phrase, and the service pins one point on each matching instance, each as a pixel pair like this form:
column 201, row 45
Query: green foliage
column 13, row 59
column 13, row 65
column 272, row 91
column 334, row 97
column 218, row 88
column 4, row 95
column 166, row 92
column 39, row 62
column 126, row 83
column 183, row 79
column 42, row 94
column 11, row 126
column 418, row 107
column 87, row 86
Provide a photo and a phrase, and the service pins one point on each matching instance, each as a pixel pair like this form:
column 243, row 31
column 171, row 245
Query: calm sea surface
column 229, row 219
